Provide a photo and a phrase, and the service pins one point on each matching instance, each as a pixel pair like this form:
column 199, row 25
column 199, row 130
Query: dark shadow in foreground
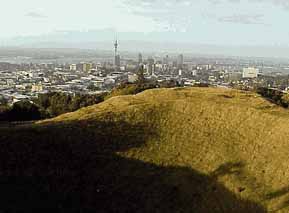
column 278, row 194
column 75, row 168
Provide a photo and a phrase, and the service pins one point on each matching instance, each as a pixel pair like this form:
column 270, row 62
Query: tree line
column 47, row 106
column 274, row 95
column 52, row 104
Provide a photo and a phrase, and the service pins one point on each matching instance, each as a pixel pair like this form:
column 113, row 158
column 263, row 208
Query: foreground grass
column 164, row 150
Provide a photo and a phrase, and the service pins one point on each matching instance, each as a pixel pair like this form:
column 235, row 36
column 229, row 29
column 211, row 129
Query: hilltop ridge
column 162, row 150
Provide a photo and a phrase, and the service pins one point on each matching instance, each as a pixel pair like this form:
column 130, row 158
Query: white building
column 194, row 72
column 250, row 72
column 73, row 67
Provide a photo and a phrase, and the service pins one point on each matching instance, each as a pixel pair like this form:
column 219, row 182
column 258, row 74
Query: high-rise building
column 73, row 67
column 166, row 60
column 165, row 66
column 86, row 67
column 180, row 61
column 250, row 72
column 175, row 63
column 150, row 65
column 139, row 58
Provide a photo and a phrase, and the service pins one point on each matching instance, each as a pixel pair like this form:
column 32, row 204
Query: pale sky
column 220, row 22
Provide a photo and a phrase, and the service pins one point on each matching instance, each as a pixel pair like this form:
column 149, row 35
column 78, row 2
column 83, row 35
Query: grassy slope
column 165, row 150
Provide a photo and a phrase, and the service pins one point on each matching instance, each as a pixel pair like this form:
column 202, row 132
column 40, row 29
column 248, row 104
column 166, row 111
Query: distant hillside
column 150, row 42
column 163, row 150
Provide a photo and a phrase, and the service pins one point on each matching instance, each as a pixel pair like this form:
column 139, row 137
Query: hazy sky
column 229, row 22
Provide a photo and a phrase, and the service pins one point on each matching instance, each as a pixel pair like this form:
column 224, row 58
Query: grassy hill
column 163, row 150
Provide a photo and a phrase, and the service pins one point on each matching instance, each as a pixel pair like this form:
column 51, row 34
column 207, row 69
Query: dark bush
column 23, row 111
column 276, row 96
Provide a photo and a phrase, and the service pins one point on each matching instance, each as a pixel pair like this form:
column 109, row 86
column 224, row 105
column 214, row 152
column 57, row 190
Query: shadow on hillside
column 230, row 168
column 278, row 194
column 75, row 168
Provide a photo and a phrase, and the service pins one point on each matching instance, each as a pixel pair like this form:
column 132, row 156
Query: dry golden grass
column 235, row 138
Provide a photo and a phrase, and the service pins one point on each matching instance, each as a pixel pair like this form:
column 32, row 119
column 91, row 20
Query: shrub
column 23, row 111
column 276, row 96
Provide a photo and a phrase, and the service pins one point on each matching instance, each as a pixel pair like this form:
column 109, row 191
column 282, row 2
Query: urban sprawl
column 24, row 81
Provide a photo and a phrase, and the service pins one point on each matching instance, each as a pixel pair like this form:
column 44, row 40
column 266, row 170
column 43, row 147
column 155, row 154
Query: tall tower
column 116, row 56
column 115, row 47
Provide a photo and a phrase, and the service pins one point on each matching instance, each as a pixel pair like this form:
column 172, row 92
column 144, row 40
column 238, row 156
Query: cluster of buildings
column 24, row 81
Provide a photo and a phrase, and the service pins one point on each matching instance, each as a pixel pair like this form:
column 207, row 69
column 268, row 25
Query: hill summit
column 163, row 150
